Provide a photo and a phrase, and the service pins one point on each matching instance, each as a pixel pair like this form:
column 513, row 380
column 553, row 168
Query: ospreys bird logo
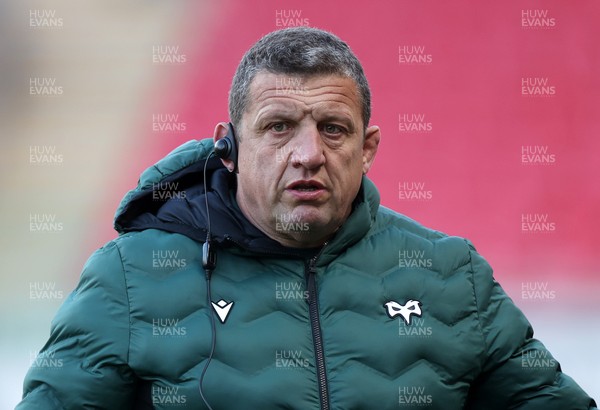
column 412, row 307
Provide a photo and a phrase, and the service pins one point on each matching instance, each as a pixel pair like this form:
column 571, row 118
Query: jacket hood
column 171, row 196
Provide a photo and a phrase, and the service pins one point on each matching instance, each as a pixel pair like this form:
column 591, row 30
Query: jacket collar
column 171, row 196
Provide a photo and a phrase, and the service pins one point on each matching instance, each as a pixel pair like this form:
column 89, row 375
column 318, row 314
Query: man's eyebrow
column 278, row 111
column 277, row 114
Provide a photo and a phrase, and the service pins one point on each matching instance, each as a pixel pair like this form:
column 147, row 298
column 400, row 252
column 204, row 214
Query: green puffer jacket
column 387, row 315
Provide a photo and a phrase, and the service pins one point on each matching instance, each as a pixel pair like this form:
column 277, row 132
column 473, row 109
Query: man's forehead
column 268, row 87
column 286, row 82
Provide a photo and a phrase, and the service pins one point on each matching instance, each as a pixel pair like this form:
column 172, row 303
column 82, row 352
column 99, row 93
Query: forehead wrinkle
column 281, row 107
column 292, row 103
column 269, row 82
column 314, row 91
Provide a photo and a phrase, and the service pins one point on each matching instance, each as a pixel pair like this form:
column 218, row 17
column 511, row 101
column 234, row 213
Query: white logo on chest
column 412, row 307
column 222, row 308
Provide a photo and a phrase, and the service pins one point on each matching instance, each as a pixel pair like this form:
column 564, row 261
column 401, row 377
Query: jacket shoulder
column 155, row 251
column 409, row 237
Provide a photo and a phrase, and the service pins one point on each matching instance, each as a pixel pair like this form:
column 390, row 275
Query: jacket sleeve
column 518, row 372
column 84, row 363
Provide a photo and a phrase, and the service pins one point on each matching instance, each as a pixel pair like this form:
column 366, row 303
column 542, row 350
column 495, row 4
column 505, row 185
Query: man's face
column 302, row 154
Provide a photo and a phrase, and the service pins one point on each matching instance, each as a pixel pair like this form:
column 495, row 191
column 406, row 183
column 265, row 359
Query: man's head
column 300, row 104
column 299, row 52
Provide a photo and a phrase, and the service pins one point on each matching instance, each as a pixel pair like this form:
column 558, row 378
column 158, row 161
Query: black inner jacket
column 183, row 210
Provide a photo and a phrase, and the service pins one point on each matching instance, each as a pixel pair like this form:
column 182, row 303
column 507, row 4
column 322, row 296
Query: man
column 297, row 299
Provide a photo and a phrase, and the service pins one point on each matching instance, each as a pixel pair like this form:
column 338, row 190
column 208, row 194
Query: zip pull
column 312, row 268
column 311, row 273
column 312, row 262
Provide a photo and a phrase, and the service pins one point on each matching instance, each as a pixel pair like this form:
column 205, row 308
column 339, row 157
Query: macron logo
column 412, row 307
column 222, row 309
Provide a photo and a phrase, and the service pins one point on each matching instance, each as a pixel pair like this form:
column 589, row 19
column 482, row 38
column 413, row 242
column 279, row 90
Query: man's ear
column 221, row 131
column 370, row 144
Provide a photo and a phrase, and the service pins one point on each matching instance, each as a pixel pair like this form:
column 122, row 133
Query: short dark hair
column 303, row 51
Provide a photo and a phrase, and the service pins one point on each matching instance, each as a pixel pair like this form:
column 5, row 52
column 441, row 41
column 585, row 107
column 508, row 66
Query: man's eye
column 279, row 127
column 332, row 129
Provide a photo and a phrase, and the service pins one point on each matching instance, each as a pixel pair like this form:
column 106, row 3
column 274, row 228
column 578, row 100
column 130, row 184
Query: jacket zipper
column 313, row 307
column 315, row 323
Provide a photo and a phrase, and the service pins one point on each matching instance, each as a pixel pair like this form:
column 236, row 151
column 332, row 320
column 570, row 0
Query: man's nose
column 308, row 148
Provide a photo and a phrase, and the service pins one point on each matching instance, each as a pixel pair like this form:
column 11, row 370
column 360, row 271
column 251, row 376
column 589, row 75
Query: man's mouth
column 305, row 185
column 306, row 189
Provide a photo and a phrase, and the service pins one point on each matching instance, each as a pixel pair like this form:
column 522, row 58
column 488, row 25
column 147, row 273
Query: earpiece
column 226, row 147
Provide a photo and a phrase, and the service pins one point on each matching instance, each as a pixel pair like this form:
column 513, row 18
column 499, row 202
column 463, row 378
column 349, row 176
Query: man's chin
column 304, row 226
column 303, row 220
column 311, row 213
